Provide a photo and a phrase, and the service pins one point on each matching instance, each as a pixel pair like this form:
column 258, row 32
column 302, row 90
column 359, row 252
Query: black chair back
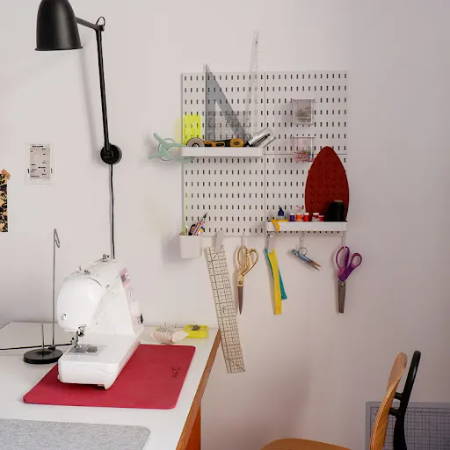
column 400, row 411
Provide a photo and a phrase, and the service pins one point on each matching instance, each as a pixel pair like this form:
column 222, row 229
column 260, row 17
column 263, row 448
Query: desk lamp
column 57, row 29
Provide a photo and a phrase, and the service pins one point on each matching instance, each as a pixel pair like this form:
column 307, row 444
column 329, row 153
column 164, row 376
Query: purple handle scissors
column 346, row 265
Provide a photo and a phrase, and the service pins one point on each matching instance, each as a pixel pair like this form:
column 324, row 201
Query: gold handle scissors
column 246, row 260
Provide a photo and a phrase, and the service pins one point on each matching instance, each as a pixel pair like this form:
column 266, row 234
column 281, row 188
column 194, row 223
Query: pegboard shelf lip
column 221, row 152
column 308, row 226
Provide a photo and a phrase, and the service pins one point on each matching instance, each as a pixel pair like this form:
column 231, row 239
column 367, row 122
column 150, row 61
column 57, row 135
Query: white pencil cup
column 190, row 246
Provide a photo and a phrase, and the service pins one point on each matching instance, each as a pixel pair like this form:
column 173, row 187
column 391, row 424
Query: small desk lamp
column 57, row 30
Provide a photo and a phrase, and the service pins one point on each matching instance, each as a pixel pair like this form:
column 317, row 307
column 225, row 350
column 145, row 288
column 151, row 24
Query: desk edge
column 195, row 407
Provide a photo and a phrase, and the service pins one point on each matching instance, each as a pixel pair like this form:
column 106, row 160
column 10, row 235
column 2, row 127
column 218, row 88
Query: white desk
column 168, row 428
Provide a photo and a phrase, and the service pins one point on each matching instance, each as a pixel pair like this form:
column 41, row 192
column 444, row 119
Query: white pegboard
column 241, row 194
column 231, row 190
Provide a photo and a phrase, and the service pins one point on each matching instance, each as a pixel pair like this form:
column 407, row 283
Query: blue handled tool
column 302, row 255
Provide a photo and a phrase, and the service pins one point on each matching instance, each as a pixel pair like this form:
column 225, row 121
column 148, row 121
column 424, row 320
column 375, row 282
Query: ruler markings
column 225, row 309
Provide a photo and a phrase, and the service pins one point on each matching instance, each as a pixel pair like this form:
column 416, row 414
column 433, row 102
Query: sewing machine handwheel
column 42, row 356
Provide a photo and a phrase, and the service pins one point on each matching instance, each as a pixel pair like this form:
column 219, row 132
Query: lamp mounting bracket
column 98, row 26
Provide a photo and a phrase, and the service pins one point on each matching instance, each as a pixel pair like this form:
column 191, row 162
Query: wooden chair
column 379, row 427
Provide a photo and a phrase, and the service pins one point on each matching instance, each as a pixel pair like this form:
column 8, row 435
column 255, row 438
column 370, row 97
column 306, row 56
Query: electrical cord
column 35, row 346
column 111, row 191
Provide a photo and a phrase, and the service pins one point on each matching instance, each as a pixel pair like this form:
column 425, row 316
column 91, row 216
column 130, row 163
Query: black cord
column 111, row 190
column 35, row 346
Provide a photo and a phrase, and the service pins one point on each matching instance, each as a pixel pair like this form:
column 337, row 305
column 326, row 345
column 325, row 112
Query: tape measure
column 225, row 309
column 195, row 142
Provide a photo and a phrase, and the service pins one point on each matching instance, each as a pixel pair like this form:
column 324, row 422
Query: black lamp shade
column 56, row 28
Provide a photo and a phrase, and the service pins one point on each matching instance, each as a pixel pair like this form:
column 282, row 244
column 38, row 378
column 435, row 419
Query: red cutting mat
column 327, row 181
column 152, row 379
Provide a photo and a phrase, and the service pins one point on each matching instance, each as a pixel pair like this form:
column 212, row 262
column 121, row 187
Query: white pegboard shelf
column 309, row 226
column 224, row 152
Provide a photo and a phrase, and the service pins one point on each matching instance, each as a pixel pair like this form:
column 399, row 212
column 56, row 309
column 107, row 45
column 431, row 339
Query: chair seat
column 301, row 444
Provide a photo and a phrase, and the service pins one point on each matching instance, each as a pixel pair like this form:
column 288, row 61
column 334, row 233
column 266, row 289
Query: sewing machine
column 96, row 304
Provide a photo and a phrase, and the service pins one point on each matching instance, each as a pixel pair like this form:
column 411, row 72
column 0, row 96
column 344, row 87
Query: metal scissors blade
column 240, row 290
column 341, row 296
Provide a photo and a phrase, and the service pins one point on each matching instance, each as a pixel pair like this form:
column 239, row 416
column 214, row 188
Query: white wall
column 309, row 372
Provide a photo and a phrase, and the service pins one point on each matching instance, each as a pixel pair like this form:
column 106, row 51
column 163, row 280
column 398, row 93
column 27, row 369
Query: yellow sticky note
column 192, row 127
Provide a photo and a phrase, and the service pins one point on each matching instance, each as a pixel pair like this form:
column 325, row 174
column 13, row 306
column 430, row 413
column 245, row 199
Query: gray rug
column 34, row 435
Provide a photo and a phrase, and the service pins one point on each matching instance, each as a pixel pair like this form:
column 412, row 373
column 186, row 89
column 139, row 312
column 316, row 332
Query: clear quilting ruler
column 225, row 309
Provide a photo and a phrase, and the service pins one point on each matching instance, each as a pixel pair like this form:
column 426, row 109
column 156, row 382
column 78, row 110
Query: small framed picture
column 302, row 110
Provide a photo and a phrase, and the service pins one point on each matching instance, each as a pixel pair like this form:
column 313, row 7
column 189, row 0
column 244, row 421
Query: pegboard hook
column 268, row 238
column 218, row 240
column 301, row 240
column 343, row 238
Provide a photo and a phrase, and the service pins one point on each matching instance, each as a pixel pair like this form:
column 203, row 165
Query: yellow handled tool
column 273, row 260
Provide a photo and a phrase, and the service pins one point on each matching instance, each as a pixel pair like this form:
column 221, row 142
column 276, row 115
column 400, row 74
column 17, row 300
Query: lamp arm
column 101, row 72
column 110, row 153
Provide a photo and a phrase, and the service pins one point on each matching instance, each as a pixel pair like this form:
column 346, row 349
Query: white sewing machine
column 96, row 304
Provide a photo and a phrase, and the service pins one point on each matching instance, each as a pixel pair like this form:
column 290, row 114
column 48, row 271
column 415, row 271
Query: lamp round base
column 111, row 156
column 42, row 356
